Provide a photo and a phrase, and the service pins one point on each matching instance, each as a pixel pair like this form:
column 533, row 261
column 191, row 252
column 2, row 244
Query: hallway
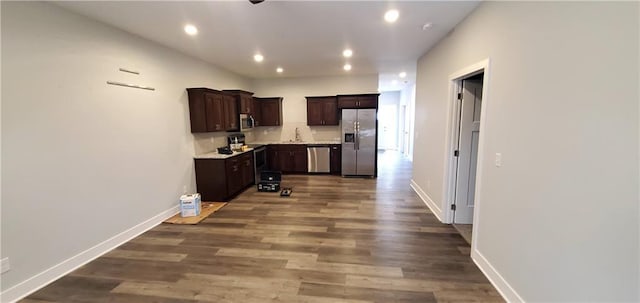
column 334, row 240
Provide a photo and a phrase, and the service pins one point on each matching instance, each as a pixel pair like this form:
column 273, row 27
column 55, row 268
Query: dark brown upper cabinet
column 358, row 101
column 205, row 110
column 214, row 107
column 322, row 110
column 231, row 114
column 244, row 99
column 211, row 110
column 257, row 109
column 271, row 108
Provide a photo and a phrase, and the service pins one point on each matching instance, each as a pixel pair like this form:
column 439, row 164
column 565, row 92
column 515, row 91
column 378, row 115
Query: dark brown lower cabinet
column 287, row 158
column 336, row 159
column 223, row 179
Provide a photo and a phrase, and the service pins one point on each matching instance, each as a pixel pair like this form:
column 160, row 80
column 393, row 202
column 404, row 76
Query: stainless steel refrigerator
column 359, row 144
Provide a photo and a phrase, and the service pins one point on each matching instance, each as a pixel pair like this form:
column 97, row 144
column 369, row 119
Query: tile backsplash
column 208, row 142
column 287, row 132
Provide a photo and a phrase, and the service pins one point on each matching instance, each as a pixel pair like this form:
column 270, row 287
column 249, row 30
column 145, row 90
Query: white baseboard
column 503, row 287
column 42, row 279
column 505, row 290
column 427, row 200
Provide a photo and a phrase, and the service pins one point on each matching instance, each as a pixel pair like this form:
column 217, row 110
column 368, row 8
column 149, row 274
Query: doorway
column 388, row 127
column 469, row 107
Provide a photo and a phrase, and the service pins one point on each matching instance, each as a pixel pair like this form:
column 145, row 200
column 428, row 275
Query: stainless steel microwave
column 246, row 122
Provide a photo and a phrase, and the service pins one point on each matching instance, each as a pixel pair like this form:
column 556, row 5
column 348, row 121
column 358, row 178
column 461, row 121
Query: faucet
column 298, row 137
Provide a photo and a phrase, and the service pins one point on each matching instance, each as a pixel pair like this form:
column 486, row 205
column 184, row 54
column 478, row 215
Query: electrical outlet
column 5, row 265
column 498, row 159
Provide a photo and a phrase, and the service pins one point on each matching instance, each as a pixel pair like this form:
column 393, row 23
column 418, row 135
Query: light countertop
column 296, row 142
column 216, row 155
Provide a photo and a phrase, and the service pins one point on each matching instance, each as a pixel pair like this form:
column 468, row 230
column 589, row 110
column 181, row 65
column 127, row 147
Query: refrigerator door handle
column 355, row 135
column 358, row 135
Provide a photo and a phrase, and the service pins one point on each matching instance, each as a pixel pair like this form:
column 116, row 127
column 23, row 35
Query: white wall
column 559, row 219
column 294, row 104
column 83, row 161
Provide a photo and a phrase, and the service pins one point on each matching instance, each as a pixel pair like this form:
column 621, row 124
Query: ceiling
column 305, row 38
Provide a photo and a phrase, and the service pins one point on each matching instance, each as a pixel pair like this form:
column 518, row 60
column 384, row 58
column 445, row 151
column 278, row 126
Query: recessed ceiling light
column 279, row 70
column 391, row 15
column 347, row 67
column 258, row 57
column 402, row 74
column 190, row 29
column 347, row 53
column 427, row 26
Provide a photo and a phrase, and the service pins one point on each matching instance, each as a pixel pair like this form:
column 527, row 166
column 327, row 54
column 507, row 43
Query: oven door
column 260, row 161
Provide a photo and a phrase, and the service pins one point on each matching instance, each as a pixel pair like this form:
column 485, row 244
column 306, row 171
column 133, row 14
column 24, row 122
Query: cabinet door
column 257, row 112
column 336, row 159
column 285, row 157
column 197, row 111
column 330, row 111
column 215, row 114
column 347, row 102
column 315, row 112
column 231, row 114
column 299, row 160
column 246, row 104
column 234, row 175
column 271, row 112
column 247, row 169
column 273, row 158
column 368, row 101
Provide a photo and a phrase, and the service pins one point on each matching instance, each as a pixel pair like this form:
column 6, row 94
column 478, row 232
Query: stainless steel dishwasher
column 318, row 159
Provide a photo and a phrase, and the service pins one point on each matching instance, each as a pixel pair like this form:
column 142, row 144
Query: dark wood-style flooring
column 334, row 240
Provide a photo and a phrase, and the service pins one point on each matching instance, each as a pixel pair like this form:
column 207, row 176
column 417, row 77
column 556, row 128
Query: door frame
column 452, row 134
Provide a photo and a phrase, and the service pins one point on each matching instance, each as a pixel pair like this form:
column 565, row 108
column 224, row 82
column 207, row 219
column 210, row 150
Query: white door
column 388, row 126
column 405, row 130
column 401, row 129
column 468, row 150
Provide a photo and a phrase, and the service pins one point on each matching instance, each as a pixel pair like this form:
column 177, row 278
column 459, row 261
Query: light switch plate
column 5, row 265
column 498, row 159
